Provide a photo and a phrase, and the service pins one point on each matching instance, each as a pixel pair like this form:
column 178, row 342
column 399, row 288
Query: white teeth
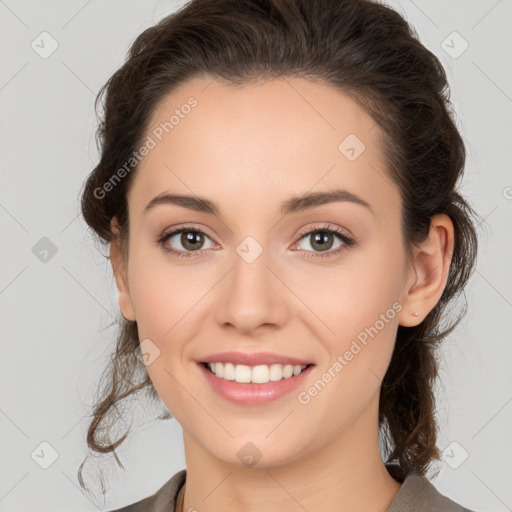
column 260, row 374
column 242, row 373
column 228, row 369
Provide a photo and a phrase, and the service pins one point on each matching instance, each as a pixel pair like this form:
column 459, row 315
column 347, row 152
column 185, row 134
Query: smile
column 259, row 374
column 253, row 385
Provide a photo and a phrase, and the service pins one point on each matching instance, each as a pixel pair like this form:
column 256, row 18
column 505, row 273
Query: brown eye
column 321, row 240
column 192, row 240
column 185, row 241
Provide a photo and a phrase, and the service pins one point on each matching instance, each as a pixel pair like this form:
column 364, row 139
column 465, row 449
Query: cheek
column 164, row 296
column 353, row 294
column 163, row 292
column 359, row 302
column 363, row 315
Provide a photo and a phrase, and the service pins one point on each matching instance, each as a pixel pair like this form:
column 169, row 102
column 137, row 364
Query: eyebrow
column 292, row 205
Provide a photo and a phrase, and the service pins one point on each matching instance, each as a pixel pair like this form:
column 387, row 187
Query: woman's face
column 254, row 282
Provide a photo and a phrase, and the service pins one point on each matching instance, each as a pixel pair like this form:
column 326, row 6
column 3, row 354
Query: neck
column 346, row 475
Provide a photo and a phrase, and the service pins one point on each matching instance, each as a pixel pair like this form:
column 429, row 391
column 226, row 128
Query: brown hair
column 368, row 51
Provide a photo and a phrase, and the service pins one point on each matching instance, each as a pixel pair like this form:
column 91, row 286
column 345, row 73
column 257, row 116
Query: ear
column 120, row 274
column 428, row 272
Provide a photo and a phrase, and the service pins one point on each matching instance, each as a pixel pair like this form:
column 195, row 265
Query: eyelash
column 347, row 241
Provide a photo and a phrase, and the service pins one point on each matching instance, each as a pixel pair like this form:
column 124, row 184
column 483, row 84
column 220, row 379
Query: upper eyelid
column 174, row 231
column 326, row 227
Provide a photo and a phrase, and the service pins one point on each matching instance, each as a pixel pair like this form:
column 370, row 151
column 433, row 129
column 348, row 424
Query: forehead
column 279, row 137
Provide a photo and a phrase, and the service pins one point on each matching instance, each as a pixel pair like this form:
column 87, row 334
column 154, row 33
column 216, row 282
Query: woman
column 278, row 188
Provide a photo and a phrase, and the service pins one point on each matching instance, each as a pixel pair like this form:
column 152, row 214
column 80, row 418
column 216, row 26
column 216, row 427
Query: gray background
column 55, row 313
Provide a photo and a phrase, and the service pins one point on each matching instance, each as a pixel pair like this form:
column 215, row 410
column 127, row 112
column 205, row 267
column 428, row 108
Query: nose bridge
column 252, row 295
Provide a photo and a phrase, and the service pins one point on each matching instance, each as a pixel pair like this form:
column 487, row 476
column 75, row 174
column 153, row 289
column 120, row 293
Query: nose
column 252, row 298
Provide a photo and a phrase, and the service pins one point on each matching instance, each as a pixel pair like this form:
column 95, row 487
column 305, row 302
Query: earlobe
column 429, row 272
column 120, row 273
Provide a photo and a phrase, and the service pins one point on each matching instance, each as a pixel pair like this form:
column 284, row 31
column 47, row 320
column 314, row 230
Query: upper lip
column 253, row 359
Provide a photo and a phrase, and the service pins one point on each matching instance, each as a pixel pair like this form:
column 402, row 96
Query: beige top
column 417, row 494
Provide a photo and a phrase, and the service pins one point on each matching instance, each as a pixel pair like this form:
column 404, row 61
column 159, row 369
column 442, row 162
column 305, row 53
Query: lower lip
column 248, row 393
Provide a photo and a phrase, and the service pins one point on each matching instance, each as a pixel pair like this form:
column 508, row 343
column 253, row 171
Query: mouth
column 256, row 385
column 257, row 374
